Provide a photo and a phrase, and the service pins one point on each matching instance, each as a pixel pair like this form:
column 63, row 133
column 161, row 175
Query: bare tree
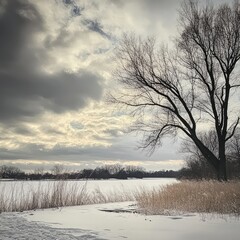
column 10, row 172
column 58, row 170
column 189, row 87
column 39, row 171
column 114, row 168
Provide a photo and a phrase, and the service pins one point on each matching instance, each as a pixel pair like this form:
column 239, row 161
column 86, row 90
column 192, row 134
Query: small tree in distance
column 189, row 88
column 58, row 170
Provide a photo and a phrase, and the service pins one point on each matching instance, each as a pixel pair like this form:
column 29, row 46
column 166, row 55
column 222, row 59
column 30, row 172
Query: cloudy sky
column 56, row 64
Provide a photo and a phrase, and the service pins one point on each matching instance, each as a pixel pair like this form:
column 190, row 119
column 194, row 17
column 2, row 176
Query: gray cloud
column 22, row 130
column 30, row 93
column 96, row 27
column 124, row 150
column 17, row 22
column 76, row 10
column 93, row 25
column 27, row 91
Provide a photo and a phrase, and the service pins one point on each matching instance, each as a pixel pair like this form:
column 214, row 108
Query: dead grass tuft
column 192, row 196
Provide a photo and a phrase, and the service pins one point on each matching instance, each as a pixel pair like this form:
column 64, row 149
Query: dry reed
column 54, row 194
column 192, row 196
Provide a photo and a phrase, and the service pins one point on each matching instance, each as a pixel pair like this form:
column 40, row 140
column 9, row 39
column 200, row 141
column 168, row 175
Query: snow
column 114, row 221
column 14, row 226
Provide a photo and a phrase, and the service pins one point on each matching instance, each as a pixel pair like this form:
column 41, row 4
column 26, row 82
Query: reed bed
column 54, row 194
column 185, row 196
column 192, row 196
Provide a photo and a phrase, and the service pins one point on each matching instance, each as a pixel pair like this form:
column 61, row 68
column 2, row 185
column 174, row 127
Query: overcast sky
column 55, row 69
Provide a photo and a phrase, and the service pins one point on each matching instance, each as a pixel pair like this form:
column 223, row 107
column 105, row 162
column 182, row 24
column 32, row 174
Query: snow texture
column 114, row 221
column 14, row 226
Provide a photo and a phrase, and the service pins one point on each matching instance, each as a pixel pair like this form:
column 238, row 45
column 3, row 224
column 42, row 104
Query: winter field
column 104, row 220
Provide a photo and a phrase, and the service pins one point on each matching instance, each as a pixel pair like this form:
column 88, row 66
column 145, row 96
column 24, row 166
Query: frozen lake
column 106, row 186
column 16, row 195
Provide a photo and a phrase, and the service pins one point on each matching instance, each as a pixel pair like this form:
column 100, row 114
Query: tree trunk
column 207, row 154
column 219, row 163
column 222, row 169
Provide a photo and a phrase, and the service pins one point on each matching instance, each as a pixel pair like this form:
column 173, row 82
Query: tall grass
column 54, row 194
column 192, row 196
column 185, row 196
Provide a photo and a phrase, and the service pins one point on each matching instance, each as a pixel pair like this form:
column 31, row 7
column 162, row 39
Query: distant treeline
column 105, row 172
column 194, row 169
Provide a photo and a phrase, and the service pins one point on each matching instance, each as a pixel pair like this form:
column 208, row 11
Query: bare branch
column 191, row 85
column 233, row 127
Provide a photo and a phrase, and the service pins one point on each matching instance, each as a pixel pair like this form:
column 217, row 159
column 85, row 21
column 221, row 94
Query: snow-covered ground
column 113, row 221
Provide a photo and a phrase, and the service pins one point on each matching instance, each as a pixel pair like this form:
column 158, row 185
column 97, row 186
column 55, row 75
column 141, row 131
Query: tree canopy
column 189, row 88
